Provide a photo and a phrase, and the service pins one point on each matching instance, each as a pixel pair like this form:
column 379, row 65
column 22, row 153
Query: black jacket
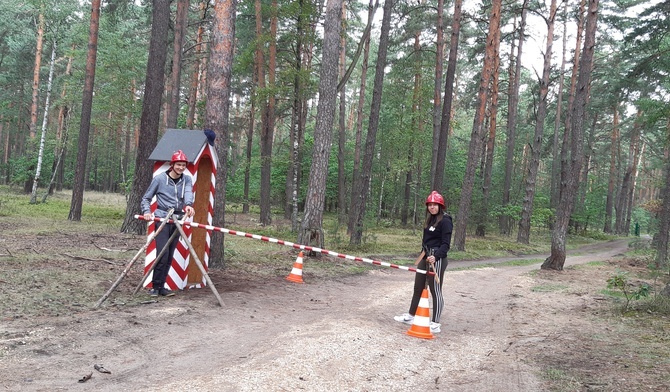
column 438, row 237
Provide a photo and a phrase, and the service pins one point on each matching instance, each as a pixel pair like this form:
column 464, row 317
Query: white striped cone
column 421, row 325
column 296, row 273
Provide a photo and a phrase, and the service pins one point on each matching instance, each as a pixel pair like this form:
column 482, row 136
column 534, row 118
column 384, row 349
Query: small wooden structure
column 202, row 165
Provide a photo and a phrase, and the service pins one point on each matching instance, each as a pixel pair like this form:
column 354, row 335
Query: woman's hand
column 430, row 259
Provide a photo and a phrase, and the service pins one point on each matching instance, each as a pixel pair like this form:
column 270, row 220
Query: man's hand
column 189, row 211
column 148, row 216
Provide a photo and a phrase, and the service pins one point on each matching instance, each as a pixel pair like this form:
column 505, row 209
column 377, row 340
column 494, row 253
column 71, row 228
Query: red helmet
column 435, row 197
column 179, row 156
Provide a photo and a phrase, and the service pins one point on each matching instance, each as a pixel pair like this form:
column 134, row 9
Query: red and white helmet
column 178, row 156
column 435, row 197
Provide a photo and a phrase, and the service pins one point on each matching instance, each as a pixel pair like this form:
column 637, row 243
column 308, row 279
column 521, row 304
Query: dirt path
column 274, row 335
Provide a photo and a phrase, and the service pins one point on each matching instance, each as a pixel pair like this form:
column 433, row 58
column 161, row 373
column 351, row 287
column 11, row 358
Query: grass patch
column 560, row 381
column 548, row 288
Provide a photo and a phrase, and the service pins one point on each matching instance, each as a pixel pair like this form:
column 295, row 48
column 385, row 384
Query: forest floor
column 504, row 327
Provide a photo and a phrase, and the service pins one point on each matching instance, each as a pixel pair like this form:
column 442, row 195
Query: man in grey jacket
column 172, row 189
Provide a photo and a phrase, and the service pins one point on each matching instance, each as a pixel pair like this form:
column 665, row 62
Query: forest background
column 347, row 108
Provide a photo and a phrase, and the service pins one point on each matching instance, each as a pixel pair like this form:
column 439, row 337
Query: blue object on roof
column 211, row 136
column 190, row 141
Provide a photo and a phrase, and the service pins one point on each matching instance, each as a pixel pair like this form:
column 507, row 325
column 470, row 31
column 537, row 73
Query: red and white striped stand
column 184, row 274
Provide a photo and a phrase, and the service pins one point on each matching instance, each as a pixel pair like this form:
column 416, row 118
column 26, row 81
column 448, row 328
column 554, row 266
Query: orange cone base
column 419, row 334
column 294, row 278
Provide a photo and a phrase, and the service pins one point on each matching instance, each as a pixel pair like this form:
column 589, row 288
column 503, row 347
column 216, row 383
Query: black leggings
column 420, row 281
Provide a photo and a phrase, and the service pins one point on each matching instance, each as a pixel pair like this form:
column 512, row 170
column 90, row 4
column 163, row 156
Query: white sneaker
column 435, row 327
column 404, row 318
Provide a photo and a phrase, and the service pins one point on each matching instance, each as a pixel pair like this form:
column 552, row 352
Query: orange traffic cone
column 296, row 273
column 421, row 325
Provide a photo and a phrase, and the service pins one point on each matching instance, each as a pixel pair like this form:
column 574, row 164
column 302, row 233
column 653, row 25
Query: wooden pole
column 130, row 264
column 153, row 265
column 198, row 262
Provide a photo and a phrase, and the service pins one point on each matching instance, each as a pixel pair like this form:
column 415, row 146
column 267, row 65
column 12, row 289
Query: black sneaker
column 166, row 292
column 153, row 292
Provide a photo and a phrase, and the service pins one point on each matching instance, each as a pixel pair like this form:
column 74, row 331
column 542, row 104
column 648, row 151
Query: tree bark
column 614, row 140
column 341, row 158
column 567, row 202
column 487, row 172
column 150, row 119
column 359, row 120
column 36, row 75
column 556, row 158
column 565, row 147
column 40, row 152
column 437, row 179
column 362, row 182
column 623, row 206
column 664, row 218
column 197, row 68
column 79, row 182
column 505, row 221
column 181, row 21
column 437, row 91
column 523, row 236
column 474, row 150
column 217, row 110
column 311, row 232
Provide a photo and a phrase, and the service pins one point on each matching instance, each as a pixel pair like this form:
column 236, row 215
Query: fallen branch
column 110, row 250
column 89, row 259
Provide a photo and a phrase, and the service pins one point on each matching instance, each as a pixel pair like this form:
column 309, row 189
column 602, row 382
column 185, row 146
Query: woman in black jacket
column 435, row 245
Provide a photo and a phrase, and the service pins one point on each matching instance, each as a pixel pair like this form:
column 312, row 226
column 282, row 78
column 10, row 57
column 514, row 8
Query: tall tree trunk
column 61, row 131
column 487, row 172
column 437, row 179
column 622, row 205
column 217, row 110
column 416, row 104
column 150, row 119
column 664, row 218
column 311, row 232
column 477, row 128
column 341, row 158
column 36, row 75
column 556, row 158
column 267, row 116
column 79, row 182
column 247, row 166
column 609, row 204
column 362, row 182
column 40, row 152
column 631, row 191
column 567, row 136
column 291, row 207
column 567, row 202
column 505, row 221
column 359, row 119
column 523, row 236
column 437, row 89
column 181, row 21
column 35, row 95
column 197, row 67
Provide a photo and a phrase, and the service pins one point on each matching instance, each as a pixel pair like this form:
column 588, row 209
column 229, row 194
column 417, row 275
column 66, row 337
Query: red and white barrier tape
column 297, row 246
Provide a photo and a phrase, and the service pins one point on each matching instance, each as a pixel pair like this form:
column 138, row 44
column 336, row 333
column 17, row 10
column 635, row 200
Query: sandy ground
column 499, row 333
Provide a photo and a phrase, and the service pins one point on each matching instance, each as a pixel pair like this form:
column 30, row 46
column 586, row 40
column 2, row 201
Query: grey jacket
column 169, row 193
